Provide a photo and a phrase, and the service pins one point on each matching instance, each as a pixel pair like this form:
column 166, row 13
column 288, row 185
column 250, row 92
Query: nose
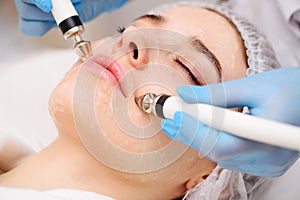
column 135, row 49
column 135, row 55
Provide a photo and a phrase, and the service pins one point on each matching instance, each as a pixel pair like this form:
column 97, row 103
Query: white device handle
column 62, row 9
column 239, row 124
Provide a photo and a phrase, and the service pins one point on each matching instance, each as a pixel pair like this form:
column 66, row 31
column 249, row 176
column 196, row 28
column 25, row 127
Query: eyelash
column 120, row 29
column 191, row 75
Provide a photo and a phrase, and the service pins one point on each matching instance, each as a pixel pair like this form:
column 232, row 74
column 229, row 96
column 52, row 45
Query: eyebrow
column 154, row 19
column 199, row 46
column 196, row 43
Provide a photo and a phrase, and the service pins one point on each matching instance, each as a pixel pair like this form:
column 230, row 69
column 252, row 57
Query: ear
column 194, row 181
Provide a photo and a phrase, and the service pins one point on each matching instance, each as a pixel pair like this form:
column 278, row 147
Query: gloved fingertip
column 170, row 131
column 181, row 117
column 44, row 5
column 178, row 118
column 168, row 122
column 78, row 5
column 169, row 127
column 188, row 93
column 184, row 91
column 163, row 122
column 29, row 32
column 34, row 29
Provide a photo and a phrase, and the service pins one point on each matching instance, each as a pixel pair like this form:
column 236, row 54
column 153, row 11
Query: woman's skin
column 67, row 164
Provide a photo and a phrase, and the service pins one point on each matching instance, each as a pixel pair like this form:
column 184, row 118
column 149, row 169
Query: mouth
column 106, row 68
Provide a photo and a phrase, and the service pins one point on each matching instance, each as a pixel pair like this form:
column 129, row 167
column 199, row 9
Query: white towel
column 59, row 194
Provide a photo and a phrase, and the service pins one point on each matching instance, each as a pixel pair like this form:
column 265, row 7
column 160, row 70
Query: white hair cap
column 224, row 184
column 260, row 54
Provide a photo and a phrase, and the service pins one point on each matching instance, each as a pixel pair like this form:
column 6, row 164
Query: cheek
column 60, row 101
column 109, row 121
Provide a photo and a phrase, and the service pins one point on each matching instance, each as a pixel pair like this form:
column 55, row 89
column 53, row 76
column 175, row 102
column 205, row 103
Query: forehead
column 207, row 25
column 215, row 31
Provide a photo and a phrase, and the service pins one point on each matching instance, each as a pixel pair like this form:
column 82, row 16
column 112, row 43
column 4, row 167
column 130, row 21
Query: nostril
column 134, row 49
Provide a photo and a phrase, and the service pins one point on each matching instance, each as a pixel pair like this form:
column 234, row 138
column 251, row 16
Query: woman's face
column 183, row 45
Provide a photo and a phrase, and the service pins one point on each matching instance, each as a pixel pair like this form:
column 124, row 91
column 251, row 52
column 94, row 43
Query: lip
column 107, row 68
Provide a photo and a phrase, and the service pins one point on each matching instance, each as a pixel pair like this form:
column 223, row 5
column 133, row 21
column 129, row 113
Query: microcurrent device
column 67, row 19
column 239, row 124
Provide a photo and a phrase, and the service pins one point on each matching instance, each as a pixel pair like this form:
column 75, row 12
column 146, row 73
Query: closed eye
column 191, row 75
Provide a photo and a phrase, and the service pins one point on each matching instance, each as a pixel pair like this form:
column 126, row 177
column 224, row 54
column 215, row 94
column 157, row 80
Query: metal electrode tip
column 82, row 48
column 146, row 102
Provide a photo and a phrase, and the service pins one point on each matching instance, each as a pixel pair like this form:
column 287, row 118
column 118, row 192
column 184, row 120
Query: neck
column 66, row 164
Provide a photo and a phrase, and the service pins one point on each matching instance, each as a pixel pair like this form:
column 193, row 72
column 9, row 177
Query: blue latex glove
column 35, row 18
column 273, row 95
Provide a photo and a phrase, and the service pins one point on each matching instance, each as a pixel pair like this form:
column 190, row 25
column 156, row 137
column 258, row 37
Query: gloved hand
column 35, row 18
column 273, row 95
